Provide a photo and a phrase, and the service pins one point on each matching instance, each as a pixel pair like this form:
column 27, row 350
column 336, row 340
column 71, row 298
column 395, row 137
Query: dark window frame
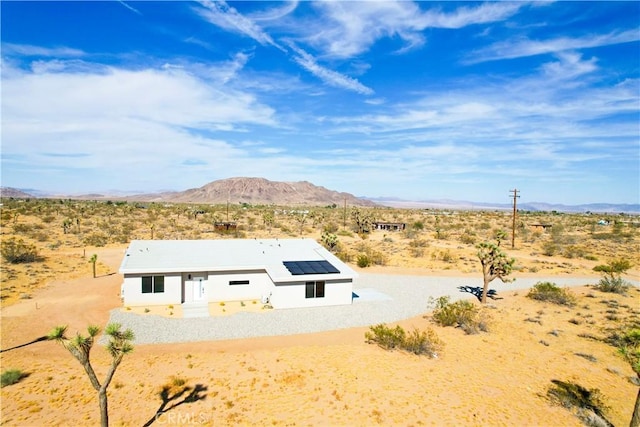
column 152, row 284
column 314, row 289
column 238, row 282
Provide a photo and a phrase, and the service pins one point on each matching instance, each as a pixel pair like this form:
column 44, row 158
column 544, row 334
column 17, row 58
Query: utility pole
column 344, row 215
column 514, row 192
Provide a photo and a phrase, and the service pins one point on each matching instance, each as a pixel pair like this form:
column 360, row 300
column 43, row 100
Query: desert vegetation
column 519, row 350
column 44, row 238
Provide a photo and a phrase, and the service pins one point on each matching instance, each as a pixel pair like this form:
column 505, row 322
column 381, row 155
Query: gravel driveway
column 377, row 299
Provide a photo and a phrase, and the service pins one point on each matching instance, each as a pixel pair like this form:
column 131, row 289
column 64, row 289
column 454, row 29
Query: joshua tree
column 93, row 260
column 80, row 346
column 495, row 265
column 612, row 276
column 362, row 220
column 629, row 348
column 330, row 241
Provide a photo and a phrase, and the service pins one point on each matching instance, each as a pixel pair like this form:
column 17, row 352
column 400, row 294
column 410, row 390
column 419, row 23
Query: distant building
column 389, row 226
column 225, row 226
column 287, row 272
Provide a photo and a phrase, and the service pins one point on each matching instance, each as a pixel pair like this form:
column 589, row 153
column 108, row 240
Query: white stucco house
column 288, row 272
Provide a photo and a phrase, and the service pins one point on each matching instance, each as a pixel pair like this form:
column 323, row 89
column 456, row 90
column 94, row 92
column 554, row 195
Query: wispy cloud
column 524, row 47
column 330, row 77
column 275, row 13
column 30, row 50
column 464, row 16
column 221, row 14
column 348, row 28
column 128, row 6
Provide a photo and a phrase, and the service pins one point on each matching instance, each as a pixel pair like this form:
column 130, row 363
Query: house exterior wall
column 293, row 294
column 220, row 289
column 132, row 290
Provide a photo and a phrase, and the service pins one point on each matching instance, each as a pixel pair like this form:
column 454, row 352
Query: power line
column 515, row 195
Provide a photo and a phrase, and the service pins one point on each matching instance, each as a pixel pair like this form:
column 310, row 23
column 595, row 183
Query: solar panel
column 299, row 268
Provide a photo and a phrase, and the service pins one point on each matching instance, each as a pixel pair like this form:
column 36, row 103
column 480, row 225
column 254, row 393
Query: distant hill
column 530, row 206
column 15, row 193
column 257, row 191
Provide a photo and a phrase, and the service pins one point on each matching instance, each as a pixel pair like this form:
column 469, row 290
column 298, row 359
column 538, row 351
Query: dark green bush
column 463, row 314
column 385, row 336
column 11, row 376
column 364, row 261
column 550, row 292
column 17, row 251
column 416, row 342
column 616, row 285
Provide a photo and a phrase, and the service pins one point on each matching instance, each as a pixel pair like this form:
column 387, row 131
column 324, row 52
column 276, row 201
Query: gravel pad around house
column 378, row 298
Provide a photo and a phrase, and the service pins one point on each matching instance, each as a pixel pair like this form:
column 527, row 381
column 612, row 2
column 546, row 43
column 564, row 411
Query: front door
column 197, row 288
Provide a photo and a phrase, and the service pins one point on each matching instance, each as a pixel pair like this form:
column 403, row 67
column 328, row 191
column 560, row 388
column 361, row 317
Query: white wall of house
column 293, row 294
column 217, row 287
column 231, row 286
column 133, row 296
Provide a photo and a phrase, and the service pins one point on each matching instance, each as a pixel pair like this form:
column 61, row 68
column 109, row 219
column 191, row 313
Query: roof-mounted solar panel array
column 299, row 268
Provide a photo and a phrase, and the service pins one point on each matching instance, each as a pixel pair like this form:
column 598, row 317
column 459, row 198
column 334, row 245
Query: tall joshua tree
column 93, row 260
column 495, row 265
column 80, row 347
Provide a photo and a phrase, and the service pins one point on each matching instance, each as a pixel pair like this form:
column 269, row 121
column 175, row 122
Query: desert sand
column 330, row 378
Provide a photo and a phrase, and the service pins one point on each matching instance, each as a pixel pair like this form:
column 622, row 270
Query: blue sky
column 415, row 100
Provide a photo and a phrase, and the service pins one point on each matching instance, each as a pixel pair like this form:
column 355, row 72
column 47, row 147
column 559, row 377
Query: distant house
column 389, row 226
column 288, row 273
column 543, row 226
column 225, row 226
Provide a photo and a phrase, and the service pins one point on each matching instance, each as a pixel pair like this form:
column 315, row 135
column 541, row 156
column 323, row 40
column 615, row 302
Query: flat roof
column 183, row 256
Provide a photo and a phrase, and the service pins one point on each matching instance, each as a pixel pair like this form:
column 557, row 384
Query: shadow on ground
column 171, row 401
column 477, row 292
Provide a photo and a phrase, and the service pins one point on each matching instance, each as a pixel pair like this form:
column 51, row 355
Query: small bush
column 550, row 292
column 463, row 314
column 11, row 376
column 422, row 342
column 616, row 285
column 416, row 342
column 16, row 251
column 386, row 337
column 363, row 261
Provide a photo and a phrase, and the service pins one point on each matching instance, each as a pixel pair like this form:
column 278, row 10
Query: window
column 152, row 284
column 314, row 289
column 238, row 282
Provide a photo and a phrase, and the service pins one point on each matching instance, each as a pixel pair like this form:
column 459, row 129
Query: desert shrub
column 549, row 248
column 11, row 376
column 468, row 238
column 550, row 292
column 22, row 228
column 416, row 342
column 573, row 251
column 616, row 285
column 574, row 396
column 385, row 336
column 331, row 227
column 96, row 239
column 344, row 255
column 370, row 256
column 463, row 314
column 422, row 342
column 363, row 261
column 16, row 251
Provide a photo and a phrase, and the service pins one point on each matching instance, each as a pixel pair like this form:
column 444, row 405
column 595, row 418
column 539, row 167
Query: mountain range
column 263, row 191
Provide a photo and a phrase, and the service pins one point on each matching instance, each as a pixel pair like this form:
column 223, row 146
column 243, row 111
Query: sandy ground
column 330, row 378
